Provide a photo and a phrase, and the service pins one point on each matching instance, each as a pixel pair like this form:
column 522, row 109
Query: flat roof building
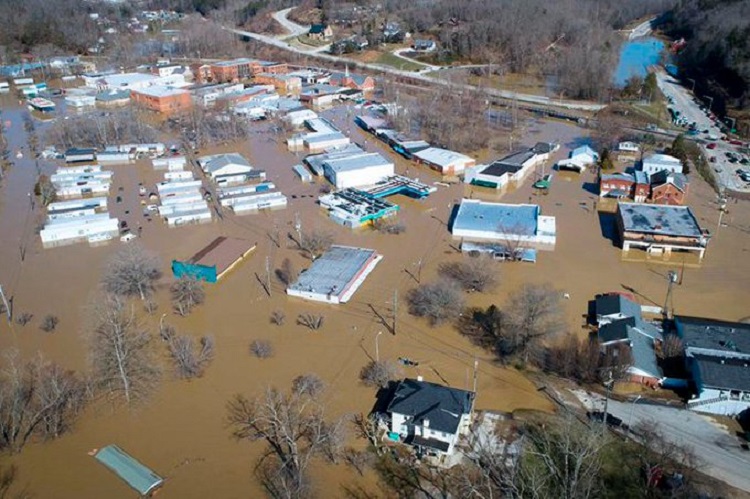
column 516, row 225
column 336, row 275
column 215, row 260
column 166, row 100
column 448, row 163
column 357, row 170
column 512, row 168
column 660, row 229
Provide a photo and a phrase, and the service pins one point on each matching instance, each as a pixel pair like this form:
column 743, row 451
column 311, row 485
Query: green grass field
column 388, row 59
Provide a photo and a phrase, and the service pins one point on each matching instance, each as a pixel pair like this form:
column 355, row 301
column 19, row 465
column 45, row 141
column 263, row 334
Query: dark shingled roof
column 722, row 372
column 611, row 304
column 442, row 405
column 427, row 442
column 616, row 331
column 711, row 334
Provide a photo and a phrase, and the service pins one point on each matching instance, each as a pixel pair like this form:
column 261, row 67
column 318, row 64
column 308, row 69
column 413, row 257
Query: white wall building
column 446, row 162
column 226, row 168
column 430, row 417
column 656, row 163
column 357, row 170
column 519, row 225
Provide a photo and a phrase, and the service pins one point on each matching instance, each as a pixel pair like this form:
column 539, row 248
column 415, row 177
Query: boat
column 544, row 182
column 41, row 104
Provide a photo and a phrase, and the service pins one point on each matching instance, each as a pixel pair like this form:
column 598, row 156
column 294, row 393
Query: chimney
column 426, row 423
column 420, row 378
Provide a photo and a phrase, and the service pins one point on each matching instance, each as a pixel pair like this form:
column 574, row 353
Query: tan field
column 180, row 431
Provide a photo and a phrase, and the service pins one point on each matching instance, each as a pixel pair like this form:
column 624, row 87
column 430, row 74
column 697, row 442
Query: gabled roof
column 211, row 164
column 665, row 177
column 643, row 355
column 443, row 406
column 613, row 304
column 722, row 372
column 578, row 151
column 711, row 334
column 317, row 29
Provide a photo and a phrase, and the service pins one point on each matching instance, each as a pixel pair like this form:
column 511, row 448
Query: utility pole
column 8, row 311
column 268, row 275
column 377, row 347
column 671, row 279
column 298, row 227
column 608, row 384
column 476, row 368
column 395, row 309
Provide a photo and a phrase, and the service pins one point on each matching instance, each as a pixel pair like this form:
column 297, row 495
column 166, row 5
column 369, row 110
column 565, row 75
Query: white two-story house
column 428, row 416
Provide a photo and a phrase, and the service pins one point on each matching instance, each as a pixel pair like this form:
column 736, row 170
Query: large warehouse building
column 511, row 224
column 335, row 276
column 357, row 169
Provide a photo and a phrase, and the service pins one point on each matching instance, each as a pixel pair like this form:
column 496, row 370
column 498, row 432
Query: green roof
column 134, row 473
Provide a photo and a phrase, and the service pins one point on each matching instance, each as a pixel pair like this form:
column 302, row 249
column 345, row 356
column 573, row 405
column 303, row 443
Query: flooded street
column 180, row 432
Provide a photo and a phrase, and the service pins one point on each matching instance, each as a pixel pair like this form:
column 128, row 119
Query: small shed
column 303, row 173
column 131, row 471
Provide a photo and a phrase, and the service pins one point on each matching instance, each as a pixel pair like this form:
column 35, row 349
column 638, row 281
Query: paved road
column 293, row 28
column 719, row 453
column 682, row 101
column 502, row 94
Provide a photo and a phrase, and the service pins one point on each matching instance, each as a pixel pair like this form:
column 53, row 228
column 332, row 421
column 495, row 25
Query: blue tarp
column 131, row 471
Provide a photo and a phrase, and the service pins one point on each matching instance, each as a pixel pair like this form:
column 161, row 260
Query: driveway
column 293, row 28
column 719, row 452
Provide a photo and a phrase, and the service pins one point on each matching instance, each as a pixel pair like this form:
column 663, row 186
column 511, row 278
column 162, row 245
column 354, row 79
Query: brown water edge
column 180, row 431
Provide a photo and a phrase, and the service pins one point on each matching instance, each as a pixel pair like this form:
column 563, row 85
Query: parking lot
column 728, row 157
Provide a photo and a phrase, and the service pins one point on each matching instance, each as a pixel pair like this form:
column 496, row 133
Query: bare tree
column 45, row 190
column 561, row 459
column 263, row 349
column 308, row 384
column 278, row 317
column 37, row 398
column 187, row 293
column 438, row 301
column 287, row 274
column 49, row 323
column 121, row 351
column 359, row 460
column 24, row 318
column 295, row 429
column 315, row 242
column 311, row 321
column 473, row 274
column 533, row 313
column 672, row 347
column 131, row 272
column 379, row 373
column 389, row 226
column 190, row 360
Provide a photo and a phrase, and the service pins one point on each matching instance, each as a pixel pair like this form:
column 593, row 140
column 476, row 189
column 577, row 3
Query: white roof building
column 357, row 170
column 580, row 159
column 661, row 162
column 222, row 165
column 445, row 161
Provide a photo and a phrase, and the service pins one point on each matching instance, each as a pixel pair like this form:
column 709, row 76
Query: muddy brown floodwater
column 180, row 431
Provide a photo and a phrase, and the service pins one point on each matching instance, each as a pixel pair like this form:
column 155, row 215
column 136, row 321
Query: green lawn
column 388, row 59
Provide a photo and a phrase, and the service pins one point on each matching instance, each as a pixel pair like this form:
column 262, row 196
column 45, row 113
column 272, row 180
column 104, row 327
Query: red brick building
column 350, row 80
column 162, row 99
column 662, row 188
column 242, row 69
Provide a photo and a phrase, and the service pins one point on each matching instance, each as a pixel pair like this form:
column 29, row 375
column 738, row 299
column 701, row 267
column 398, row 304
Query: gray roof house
column 717, row 356
column 429, row 416
column 620, row 322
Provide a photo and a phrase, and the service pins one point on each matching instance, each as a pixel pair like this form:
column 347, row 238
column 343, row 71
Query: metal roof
column 131, row 471
column 675, row 221
column 216, row 162
column 477, row 215
column 357, row 162
column 442, row 405
column 442, row 157
column 332, row 272
column 611, row 304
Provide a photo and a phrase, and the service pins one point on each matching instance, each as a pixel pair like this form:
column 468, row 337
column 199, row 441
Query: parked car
column 735, row 142
column 142, row 191
column 712, row 145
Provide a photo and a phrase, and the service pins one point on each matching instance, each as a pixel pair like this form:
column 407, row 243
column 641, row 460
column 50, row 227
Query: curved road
column 293, row 28
column 501, row 94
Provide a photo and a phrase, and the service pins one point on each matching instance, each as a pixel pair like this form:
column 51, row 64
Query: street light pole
column 693, row 87
column 710, row 105
column 632, row 408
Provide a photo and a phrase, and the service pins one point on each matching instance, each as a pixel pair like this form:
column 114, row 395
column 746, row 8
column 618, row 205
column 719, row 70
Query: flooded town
column 318, row 249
